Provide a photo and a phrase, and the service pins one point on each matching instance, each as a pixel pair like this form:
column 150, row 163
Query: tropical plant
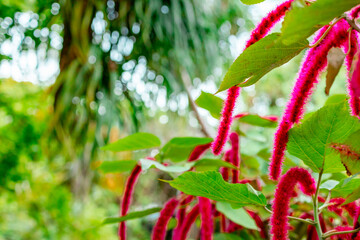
column 307, row 194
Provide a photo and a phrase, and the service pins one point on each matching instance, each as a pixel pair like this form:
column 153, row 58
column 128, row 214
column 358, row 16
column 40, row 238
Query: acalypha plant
column 314, row 196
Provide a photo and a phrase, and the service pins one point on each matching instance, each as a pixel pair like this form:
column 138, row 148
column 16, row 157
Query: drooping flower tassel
column 224, row 170
column 356, row 223
column 226, row 120
column 353, row 72
column 235, row 156
column 188, row 221
column 259, row 32
column 259, row 223
column 207, row 223
column 180, row 216
column 198, row 152
column 283, row 193
column 159, row 230
column 313, row 64
column 127, row 198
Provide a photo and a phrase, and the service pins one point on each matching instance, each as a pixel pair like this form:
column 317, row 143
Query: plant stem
column 353, row 24
column 332, row 233
column 316, row 206
column 325, row 33
column 308, row 221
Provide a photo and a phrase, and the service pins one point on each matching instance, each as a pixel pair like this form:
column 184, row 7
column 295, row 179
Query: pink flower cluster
column 127, row 197
column 227, row 114
column 159, row 230
column 278, row 221
column 313, row 64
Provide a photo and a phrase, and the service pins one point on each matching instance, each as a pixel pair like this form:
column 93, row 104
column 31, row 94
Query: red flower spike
column 207, row 225
column 354, row 13
column 225, row 171
column 356, row 223
column 278, row 220
column 127, row 198
column 335, row 207
column 198, row 152
column 268, row 22
column 259, row 32
column 188, row 221
column 180, row 216
column 277, row 157
column 259, row 223
column 159, row 230
column 313, row 64
column 245, row 181
column 226, row 120
column 233, row 227
column 235, row 157
column 222, row 223
column 353, row 72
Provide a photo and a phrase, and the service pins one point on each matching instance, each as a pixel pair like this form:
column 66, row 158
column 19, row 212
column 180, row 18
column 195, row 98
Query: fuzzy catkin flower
column 313, row 64
column 259, row 223
column 235, row 157
column 180, row 216
column 356, row 223
column 268, row 22
column 225, row 171
column 127, row 197
column 278, row 220
column 207, row 225
column 188, row 221
column 159, row 230
column 233, row 227
column 338, row 209
column 198, row 151
column 226, row 120
column 353, row 72
column 259, row 32
column 277, row 157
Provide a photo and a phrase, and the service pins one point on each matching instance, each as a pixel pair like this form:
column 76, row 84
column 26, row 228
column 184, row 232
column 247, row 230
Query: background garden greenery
column 76, row 75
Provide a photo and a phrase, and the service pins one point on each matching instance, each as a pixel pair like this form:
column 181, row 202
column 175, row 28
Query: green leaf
column 132, row 215
column 251, row 2
column 211, row 103
column 179, row 149
column 117, row 166
column 133, row 142
column 336, row 98
column 350, row 153
column 259, row 59
column 345, row 187
column 226, row 236
column 355, row 195
column 239, row 216
column 302, row 21
column 211, row 164
column 257, row 120
column 146, row 164
column 310, row 140
column 211, row 185
column 329, row 184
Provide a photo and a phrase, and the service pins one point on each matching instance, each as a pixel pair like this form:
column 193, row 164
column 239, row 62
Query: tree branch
column 187, row 82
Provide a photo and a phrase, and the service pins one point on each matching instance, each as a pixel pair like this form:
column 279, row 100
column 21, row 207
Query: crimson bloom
column 283, row 193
